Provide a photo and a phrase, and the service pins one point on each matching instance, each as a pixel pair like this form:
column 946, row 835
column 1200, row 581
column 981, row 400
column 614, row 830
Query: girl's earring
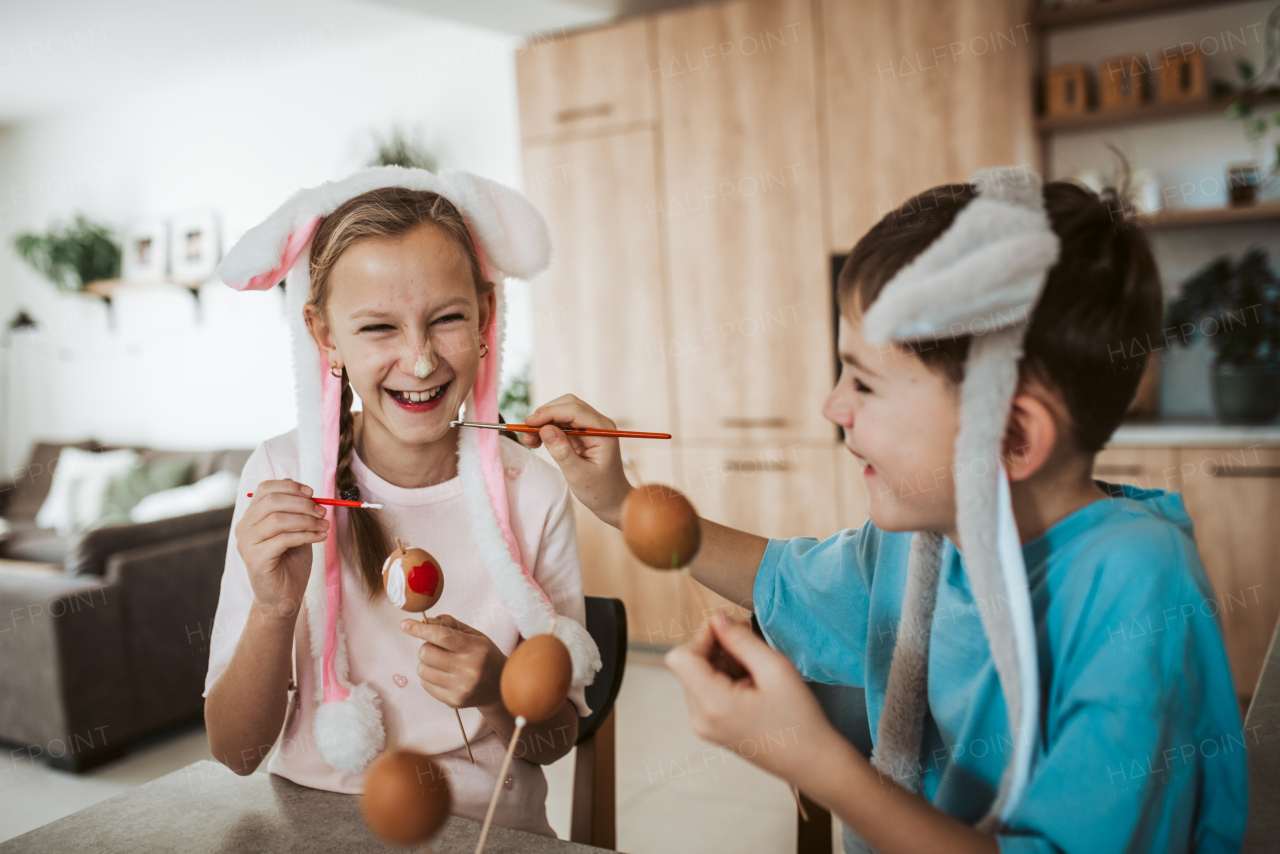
column 333, row 368
column 485, row 351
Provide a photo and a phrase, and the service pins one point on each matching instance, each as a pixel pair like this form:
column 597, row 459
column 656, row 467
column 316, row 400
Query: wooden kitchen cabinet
column 1233, row 497
column 1143, row 467
column 952, row 78
column 773, row 490
column 598, row 312
column 750, row 332
column 585, row 82
column 664, row 608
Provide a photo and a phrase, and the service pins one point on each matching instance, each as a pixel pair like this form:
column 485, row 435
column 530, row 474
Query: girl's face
column 404, row 317
column 900, row 420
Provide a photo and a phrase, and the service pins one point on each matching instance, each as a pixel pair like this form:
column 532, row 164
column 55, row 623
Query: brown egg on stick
column 413, row 578
column 535, row 680
column 660, row 526
column 406, row 797
column 534, row 684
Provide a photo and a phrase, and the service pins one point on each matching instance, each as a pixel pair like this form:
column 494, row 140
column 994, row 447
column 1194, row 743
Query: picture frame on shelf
column 197, row 246
column 146, row 251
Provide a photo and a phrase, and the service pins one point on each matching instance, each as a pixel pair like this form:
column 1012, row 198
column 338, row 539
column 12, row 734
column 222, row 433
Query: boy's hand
column 591, row 464
column 753, row 714
column 458, row 665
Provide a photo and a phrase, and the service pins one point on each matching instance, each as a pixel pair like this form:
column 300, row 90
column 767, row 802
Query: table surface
column 205, row 808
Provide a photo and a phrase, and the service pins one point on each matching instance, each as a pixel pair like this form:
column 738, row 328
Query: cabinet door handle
column 574, row 114
column 759, row 465
column 748, row 423
column 1257, row 471
column 1117, row 469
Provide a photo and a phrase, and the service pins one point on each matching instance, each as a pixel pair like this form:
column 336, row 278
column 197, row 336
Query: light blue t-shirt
column 1141, row 746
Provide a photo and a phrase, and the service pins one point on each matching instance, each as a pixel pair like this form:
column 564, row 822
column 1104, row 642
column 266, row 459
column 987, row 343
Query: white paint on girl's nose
column 425, row 365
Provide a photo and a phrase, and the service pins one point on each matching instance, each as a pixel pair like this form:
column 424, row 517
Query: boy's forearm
column 727, row 562
column 889, row 818
column 246, row 706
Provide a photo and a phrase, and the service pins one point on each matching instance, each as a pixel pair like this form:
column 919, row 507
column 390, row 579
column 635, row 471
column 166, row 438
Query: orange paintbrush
column 584, row 431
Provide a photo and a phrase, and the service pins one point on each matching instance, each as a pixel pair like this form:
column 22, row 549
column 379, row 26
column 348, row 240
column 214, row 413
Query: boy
column 1012, row 711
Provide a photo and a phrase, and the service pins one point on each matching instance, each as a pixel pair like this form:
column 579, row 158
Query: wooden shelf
column 1146, row 113
column 1082, row 14
column 1198, row 217
column 107, row 288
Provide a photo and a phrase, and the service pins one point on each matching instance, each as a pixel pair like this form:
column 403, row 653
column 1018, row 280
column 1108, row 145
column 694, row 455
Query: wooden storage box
column 1122, row 83
column 1067, row 90
column 1181, row 78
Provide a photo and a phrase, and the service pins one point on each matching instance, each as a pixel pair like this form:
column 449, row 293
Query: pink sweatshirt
column 433, row 518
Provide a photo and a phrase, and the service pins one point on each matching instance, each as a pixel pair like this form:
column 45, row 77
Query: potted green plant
column 1255, row 91
column 71, row 256
column 1236, row 308
column 397, row 148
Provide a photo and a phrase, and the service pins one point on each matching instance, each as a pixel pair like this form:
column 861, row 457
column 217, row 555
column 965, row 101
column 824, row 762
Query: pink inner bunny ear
column 292, row 249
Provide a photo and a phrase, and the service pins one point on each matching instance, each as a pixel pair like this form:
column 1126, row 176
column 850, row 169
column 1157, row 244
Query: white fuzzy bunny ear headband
column 511, row 239
column 982, row 277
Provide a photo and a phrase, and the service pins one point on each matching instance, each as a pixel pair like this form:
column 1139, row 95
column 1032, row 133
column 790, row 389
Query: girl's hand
column 274, row 539
column 769, row 717
column 591, row 464
column 458, row 665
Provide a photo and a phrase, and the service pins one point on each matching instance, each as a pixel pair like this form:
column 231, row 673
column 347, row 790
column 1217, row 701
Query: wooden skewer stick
column 497, row 788
column 696, row 594
column 465, row 739
column 457, row 713
column 795, row 790
column 702, row 603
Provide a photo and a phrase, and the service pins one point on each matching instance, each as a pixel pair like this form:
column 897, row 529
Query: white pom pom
column 582, row 650
column 350, row 732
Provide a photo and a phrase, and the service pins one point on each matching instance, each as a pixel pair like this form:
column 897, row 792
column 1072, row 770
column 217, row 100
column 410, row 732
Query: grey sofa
column 114, row 644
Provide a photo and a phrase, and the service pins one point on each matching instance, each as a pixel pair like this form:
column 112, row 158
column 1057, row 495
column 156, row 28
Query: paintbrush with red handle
column 341, row 502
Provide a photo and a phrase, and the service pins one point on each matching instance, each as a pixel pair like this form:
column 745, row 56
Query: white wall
column 239, row 136
column 1190, row 152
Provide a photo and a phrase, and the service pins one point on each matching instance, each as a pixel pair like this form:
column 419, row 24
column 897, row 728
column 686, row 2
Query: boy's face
column 900, row 420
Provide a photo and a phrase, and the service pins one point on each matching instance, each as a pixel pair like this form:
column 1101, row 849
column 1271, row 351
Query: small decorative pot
column 1246, row 394
column 1243, row 180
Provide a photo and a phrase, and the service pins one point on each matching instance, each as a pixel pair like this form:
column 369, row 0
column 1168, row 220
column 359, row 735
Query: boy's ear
column 1030, row 437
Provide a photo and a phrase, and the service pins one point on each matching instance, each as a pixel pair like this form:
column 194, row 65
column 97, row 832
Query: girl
column 394, row 292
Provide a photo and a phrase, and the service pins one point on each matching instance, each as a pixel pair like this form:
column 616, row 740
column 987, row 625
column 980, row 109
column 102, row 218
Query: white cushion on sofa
column 216, row 490
column 80, row 481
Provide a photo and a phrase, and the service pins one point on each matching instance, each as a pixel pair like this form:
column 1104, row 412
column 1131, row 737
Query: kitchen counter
column 1193, row 434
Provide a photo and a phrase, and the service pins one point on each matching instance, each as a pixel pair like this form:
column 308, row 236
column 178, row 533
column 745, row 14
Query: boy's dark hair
column 1102, row 296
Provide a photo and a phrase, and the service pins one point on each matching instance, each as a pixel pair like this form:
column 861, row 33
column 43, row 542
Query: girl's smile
column 415, row 401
